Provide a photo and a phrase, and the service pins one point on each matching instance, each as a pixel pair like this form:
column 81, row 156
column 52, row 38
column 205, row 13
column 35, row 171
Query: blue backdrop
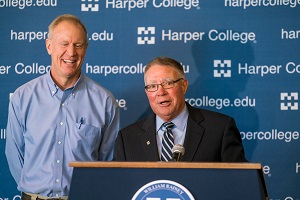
column 241, row 58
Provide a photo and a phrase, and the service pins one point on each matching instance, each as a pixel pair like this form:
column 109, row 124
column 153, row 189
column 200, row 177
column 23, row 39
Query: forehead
column 161, row 72
column 69, row 29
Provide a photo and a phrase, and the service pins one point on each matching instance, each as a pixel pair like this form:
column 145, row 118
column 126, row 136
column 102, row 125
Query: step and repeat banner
column 241, row 57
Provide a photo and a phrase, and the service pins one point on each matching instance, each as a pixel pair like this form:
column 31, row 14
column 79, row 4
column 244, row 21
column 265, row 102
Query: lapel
column 194, row 133
column 148, row 138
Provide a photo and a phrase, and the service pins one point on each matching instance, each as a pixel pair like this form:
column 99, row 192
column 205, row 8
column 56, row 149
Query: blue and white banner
column 241, row 58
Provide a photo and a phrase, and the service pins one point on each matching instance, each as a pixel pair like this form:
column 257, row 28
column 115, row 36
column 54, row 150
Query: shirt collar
column 54, row 88
column 78, row 85
column 180, row 121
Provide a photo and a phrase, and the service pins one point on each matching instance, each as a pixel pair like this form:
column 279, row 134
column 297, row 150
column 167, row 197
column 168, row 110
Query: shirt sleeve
column 14, row 148
column 112, row 121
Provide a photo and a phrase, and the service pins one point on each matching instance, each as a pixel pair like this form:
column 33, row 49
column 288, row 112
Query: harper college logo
column 222, row 68
column 163, row 190
column 146, row 35
column 90, row 5
column 289, row 101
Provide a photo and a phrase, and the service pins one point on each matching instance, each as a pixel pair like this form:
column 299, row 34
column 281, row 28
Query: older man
column 206, row 136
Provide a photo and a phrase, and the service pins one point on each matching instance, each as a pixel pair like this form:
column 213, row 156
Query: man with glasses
column 206, row 136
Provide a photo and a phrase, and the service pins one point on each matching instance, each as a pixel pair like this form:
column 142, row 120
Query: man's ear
column 48, row 46
column 185, row 85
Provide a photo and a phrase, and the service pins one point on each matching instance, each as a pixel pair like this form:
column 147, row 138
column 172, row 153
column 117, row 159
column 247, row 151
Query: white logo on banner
column 2, row 134
column 91, row 5
column 289, row 101
column 146, row 35
column 222, row 68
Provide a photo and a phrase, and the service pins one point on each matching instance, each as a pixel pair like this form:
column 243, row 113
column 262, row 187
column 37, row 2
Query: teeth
column 69, row 61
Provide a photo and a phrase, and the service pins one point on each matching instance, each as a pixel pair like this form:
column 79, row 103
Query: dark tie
column 167, row 142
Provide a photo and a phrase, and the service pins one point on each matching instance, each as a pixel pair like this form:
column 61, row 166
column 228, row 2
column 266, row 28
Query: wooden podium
column 207, row 181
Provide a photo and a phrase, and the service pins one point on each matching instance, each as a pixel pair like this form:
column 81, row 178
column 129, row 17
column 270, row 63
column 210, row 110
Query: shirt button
column 62, row 104
column 57, row 180
column 59, row 142
column 61, row 123
column 58, row 161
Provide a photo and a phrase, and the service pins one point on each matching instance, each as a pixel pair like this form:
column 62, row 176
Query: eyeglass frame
column 163, row 85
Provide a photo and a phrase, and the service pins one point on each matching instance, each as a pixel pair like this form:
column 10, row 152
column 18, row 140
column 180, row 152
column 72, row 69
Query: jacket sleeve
column 119, row 153
column 232, row 147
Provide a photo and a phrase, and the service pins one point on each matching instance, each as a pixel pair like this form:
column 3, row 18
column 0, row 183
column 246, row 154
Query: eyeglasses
column 164, row 85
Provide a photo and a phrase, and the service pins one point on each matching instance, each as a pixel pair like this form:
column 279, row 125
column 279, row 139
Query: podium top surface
column 111, row 164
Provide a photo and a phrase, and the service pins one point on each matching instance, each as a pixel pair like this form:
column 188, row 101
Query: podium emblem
column 163, row 190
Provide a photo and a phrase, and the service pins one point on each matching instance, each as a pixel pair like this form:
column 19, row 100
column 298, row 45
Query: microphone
column 177, row 151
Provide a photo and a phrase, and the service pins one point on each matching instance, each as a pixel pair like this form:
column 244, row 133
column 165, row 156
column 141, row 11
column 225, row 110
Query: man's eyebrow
column 159, row 81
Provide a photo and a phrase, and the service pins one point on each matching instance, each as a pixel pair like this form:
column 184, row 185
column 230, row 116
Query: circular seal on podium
column 163, row 190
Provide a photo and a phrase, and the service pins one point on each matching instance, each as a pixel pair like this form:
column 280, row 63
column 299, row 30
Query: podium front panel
column 123, row 183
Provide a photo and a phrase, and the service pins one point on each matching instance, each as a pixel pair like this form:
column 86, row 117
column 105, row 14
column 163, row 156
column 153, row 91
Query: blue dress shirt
column 179, row 130
column 47, row 128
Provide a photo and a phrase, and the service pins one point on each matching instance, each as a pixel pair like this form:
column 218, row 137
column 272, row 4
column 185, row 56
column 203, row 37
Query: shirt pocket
column 87, row 141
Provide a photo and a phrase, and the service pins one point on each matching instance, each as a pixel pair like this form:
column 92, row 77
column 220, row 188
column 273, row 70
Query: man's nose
column 71, row 50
